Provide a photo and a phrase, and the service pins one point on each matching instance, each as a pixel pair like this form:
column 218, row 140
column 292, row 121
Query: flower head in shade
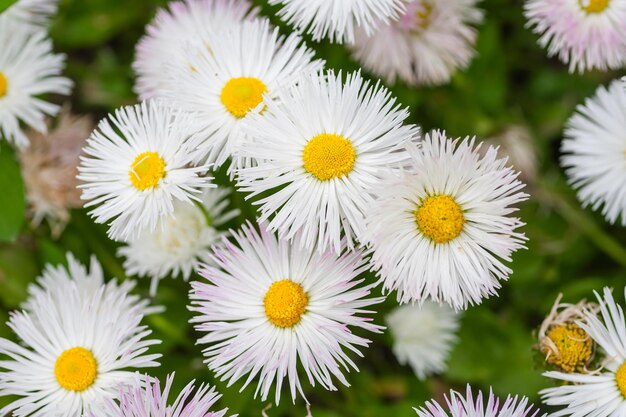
column 144, row 398
column 320, row 150
column 137, row 164
column 32, row 13
column 181, row 241
column 442, row 228
column 585, row 34
column 49, row 168
column 563, row 342
column 174, row 28
column 28, row 68
column 426, row 45
column 268, row 305
column 423, row 336
column 470, row 406
column 601, row 393
column 79, row 339
column 338, row 20
column 228, row 82
column 516, row 143
column 594, row 152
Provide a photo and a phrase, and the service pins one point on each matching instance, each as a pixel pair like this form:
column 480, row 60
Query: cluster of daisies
column 346, row 189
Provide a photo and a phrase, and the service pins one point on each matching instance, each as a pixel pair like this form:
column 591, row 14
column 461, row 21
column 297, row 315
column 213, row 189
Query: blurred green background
column 510, row 81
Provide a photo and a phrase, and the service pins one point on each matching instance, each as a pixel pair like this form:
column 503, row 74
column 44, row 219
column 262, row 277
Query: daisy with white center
column 321, row 148
column 423, row 336
column 594, row 152
column 34, row 13
column 601, row 393
column 144, row 398
column 585, row 34
column 441, row 228
column 426, row 45
column 181, row 241
column 28, row 69
column 268, row 305
column 175, row 27
column 338, row 20
column 228, row 82
column 79, row 341
column 470, row 406
column 138, row 164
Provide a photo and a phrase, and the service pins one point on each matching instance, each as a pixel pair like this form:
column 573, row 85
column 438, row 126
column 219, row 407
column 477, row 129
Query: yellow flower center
column 3, row 85
column 147, row 170
column 285, row 303
column 573, row 347
column 440, row 218
column 76, row 369
column 620, row 377
column 329, row 156
column 594, row 6
column 240, row 95
column 423, row 15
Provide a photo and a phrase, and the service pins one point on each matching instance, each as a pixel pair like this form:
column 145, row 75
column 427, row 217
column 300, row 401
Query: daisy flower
column 34, row 13
column 320, row 150
column 79, row 339
column 268, row 305
column 594, row 149
column 423, row 336
column 429, row 42
column 144, row 398
column 28, row 69
column 246, row 62
column 137, row 165
column 585, row 34
column 601, row 393
column 173, row 29
column 516, row 142
column 470, row 406
column 441, row 228
column 338, row 20
column 181, row 241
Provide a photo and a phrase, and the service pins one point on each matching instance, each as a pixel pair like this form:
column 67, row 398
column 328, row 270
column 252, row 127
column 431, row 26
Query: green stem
column 205, row 213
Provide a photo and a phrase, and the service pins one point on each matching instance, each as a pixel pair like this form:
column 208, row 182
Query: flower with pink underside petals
column 585, row 34
column 269, row 307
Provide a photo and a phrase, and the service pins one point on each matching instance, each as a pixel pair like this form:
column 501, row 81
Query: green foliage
column 5, row 4
column 13, row 201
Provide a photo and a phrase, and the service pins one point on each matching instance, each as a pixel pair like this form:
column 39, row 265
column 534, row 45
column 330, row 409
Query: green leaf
column 5, row 4
column 13, row 201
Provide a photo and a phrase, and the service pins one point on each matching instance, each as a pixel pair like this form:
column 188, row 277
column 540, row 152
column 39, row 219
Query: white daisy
column 585, row 34
column 144, row 398
column 175, row 27
column 426, row 45
column 321, row 149
column 470, row 406
column 423, row 336
column 441, row 228
column 79, row 341
column 594, row 151
column 229, row 82
column 137, row 165
column 268, row 305
column 338, row 20
column 28, row 69
column 34, row 13
column 181, row 241
column 602, row 393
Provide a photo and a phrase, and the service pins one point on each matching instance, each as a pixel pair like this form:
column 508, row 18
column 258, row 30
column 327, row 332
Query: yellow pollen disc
column 573, row 345
column 147, row 170
column 285, row 303
column 240, row 95
column 440, row 218
column 329, row 156
column 620, row 377
column 3, row 85
column 594, row 6
column 423, row 16
column 76, row 369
